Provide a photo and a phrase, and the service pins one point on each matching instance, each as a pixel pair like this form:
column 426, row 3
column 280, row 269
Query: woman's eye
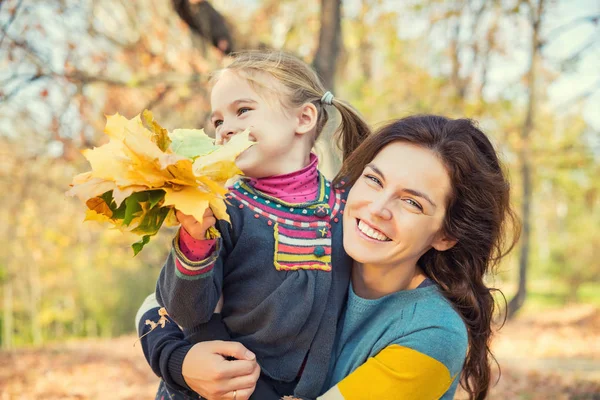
column 218, row 123
column 373, row 179
column 243, row 110
column 413, row 203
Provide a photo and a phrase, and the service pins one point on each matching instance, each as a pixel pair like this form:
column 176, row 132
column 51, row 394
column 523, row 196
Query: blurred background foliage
column 527, row 70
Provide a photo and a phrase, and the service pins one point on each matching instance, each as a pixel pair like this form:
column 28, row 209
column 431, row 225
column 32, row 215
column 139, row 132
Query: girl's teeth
column 370, row 232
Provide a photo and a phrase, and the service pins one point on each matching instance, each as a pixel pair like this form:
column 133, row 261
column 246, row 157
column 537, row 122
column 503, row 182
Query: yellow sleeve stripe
column 397, row 372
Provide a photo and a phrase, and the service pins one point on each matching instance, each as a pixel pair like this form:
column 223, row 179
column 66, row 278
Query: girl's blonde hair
column 302, row 85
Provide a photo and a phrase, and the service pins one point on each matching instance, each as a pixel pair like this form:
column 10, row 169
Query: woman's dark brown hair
column 478, row 216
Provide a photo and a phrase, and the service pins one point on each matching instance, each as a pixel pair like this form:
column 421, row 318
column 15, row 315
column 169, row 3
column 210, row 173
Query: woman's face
column 395, row 210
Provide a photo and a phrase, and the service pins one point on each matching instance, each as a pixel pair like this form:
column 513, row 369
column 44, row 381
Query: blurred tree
column 62, row 278
column 204, row 20
column 536, row 12
column 325, row 61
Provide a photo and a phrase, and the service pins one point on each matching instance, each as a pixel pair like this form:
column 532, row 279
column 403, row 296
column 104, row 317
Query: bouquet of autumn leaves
column 144, row 173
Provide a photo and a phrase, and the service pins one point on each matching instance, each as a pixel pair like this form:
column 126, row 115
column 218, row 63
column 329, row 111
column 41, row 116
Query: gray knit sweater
column 284, row 275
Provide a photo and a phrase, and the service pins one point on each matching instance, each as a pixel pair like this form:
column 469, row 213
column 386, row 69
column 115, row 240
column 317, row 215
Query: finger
column 232, row 349
column 240, row 382
column 207, row 222
column 208, row 212
column 231, row 369
column 184, row 218
column 244, row 394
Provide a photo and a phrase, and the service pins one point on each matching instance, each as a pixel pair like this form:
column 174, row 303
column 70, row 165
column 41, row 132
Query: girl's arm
column 190, row 283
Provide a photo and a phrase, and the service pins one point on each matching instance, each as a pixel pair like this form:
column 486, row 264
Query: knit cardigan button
column 322, row 211
column 319, row 251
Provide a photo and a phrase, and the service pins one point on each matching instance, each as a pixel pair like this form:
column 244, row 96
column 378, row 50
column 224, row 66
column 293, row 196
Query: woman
column 425, row 220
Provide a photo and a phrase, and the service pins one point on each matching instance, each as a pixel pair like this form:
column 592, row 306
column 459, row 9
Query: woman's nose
column 378, row 208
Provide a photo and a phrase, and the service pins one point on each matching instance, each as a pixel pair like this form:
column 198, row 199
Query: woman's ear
column 443, row 242
column 307, row 118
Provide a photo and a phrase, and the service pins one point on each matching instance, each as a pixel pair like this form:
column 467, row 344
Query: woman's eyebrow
column 411, row 191
column 420, row 194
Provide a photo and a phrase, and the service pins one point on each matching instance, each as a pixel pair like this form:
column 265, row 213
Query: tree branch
column 10, row 20
column 570, row 25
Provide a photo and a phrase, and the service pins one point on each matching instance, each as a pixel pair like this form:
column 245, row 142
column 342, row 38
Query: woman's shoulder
column 437, row 311
column 438, row 331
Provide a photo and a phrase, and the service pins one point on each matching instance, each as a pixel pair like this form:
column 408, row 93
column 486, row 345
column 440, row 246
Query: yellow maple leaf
column 127, row 171
column 220, row 164
column 99, row 206
column 189, row 200
column 85, row 186
column 91, row 215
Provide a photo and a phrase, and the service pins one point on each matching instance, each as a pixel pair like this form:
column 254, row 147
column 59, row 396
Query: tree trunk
column 7, row 315
column 34, row 303
column 325, row 61
column 526, row 176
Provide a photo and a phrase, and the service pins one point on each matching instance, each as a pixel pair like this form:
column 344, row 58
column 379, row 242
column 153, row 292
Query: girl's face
column 236, row 106
column 395, row 210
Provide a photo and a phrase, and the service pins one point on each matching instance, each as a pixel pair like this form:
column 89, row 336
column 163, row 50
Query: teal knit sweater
column 416, row 329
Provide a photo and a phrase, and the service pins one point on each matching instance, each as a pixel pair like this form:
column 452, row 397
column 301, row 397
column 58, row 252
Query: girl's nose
column 225, row 133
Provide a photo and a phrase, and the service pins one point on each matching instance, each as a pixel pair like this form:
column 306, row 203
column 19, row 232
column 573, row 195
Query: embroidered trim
column 287, row 221
column 293, row 259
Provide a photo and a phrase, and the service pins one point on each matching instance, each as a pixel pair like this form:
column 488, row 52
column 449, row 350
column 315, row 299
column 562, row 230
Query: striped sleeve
column 396, row 372
column 189, row 289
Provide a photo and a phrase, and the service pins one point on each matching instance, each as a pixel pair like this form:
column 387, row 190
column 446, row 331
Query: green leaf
column 152, row 221
column 132, row 206
column 191, row 143
column 139, row 245
column 155, row 196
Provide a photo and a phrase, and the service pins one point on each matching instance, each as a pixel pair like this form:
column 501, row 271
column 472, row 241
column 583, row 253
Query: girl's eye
column 373, row 179
column 218, row 123
column 413, row 203
column 243, row 110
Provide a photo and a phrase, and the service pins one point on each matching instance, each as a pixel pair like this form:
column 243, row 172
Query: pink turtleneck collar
column 296, row 187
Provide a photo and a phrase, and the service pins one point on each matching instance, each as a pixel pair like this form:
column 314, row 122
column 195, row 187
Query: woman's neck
column 375, row 281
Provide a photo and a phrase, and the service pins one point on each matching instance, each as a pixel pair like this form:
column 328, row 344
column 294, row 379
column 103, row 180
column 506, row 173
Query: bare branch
column 15, row 91
column 10, row 21
column 594, row 19
column 159, row 98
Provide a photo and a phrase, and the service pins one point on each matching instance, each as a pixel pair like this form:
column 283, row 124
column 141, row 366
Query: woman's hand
column 196, row 229
column 207, row 371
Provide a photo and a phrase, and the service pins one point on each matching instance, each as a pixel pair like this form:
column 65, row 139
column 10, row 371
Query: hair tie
column 327, row 98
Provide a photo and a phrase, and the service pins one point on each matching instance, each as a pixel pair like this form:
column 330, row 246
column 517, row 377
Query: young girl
column 280, row 264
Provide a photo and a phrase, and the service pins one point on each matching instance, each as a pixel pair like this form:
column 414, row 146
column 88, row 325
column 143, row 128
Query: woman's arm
column 203, row 368
column 396, row 372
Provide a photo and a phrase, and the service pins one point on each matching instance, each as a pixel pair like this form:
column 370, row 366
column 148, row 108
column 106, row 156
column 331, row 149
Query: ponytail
column 353, row 129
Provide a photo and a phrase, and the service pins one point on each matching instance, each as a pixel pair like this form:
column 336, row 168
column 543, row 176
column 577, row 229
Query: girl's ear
column 307, row 118
column 443, row 242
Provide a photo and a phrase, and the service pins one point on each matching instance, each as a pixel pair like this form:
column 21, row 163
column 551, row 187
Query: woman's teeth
column 372, row 233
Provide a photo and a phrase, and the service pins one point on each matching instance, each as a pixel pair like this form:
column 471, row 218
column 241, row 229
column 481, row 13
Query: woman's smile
column 370, row 233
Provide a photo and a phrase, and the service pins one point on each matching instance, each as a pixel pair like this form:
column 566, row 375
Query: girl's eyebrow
column 235, row 104
column 411, row 191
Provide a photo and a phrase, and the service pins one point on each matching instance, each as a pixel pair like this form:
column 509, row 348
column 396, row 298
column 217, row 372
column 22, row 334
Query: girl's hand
column 196, row 229
column 209, row 373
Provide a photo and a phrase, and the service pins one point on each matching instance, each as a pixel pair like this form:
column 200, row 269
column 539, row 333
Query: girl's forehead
column 229, row 85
